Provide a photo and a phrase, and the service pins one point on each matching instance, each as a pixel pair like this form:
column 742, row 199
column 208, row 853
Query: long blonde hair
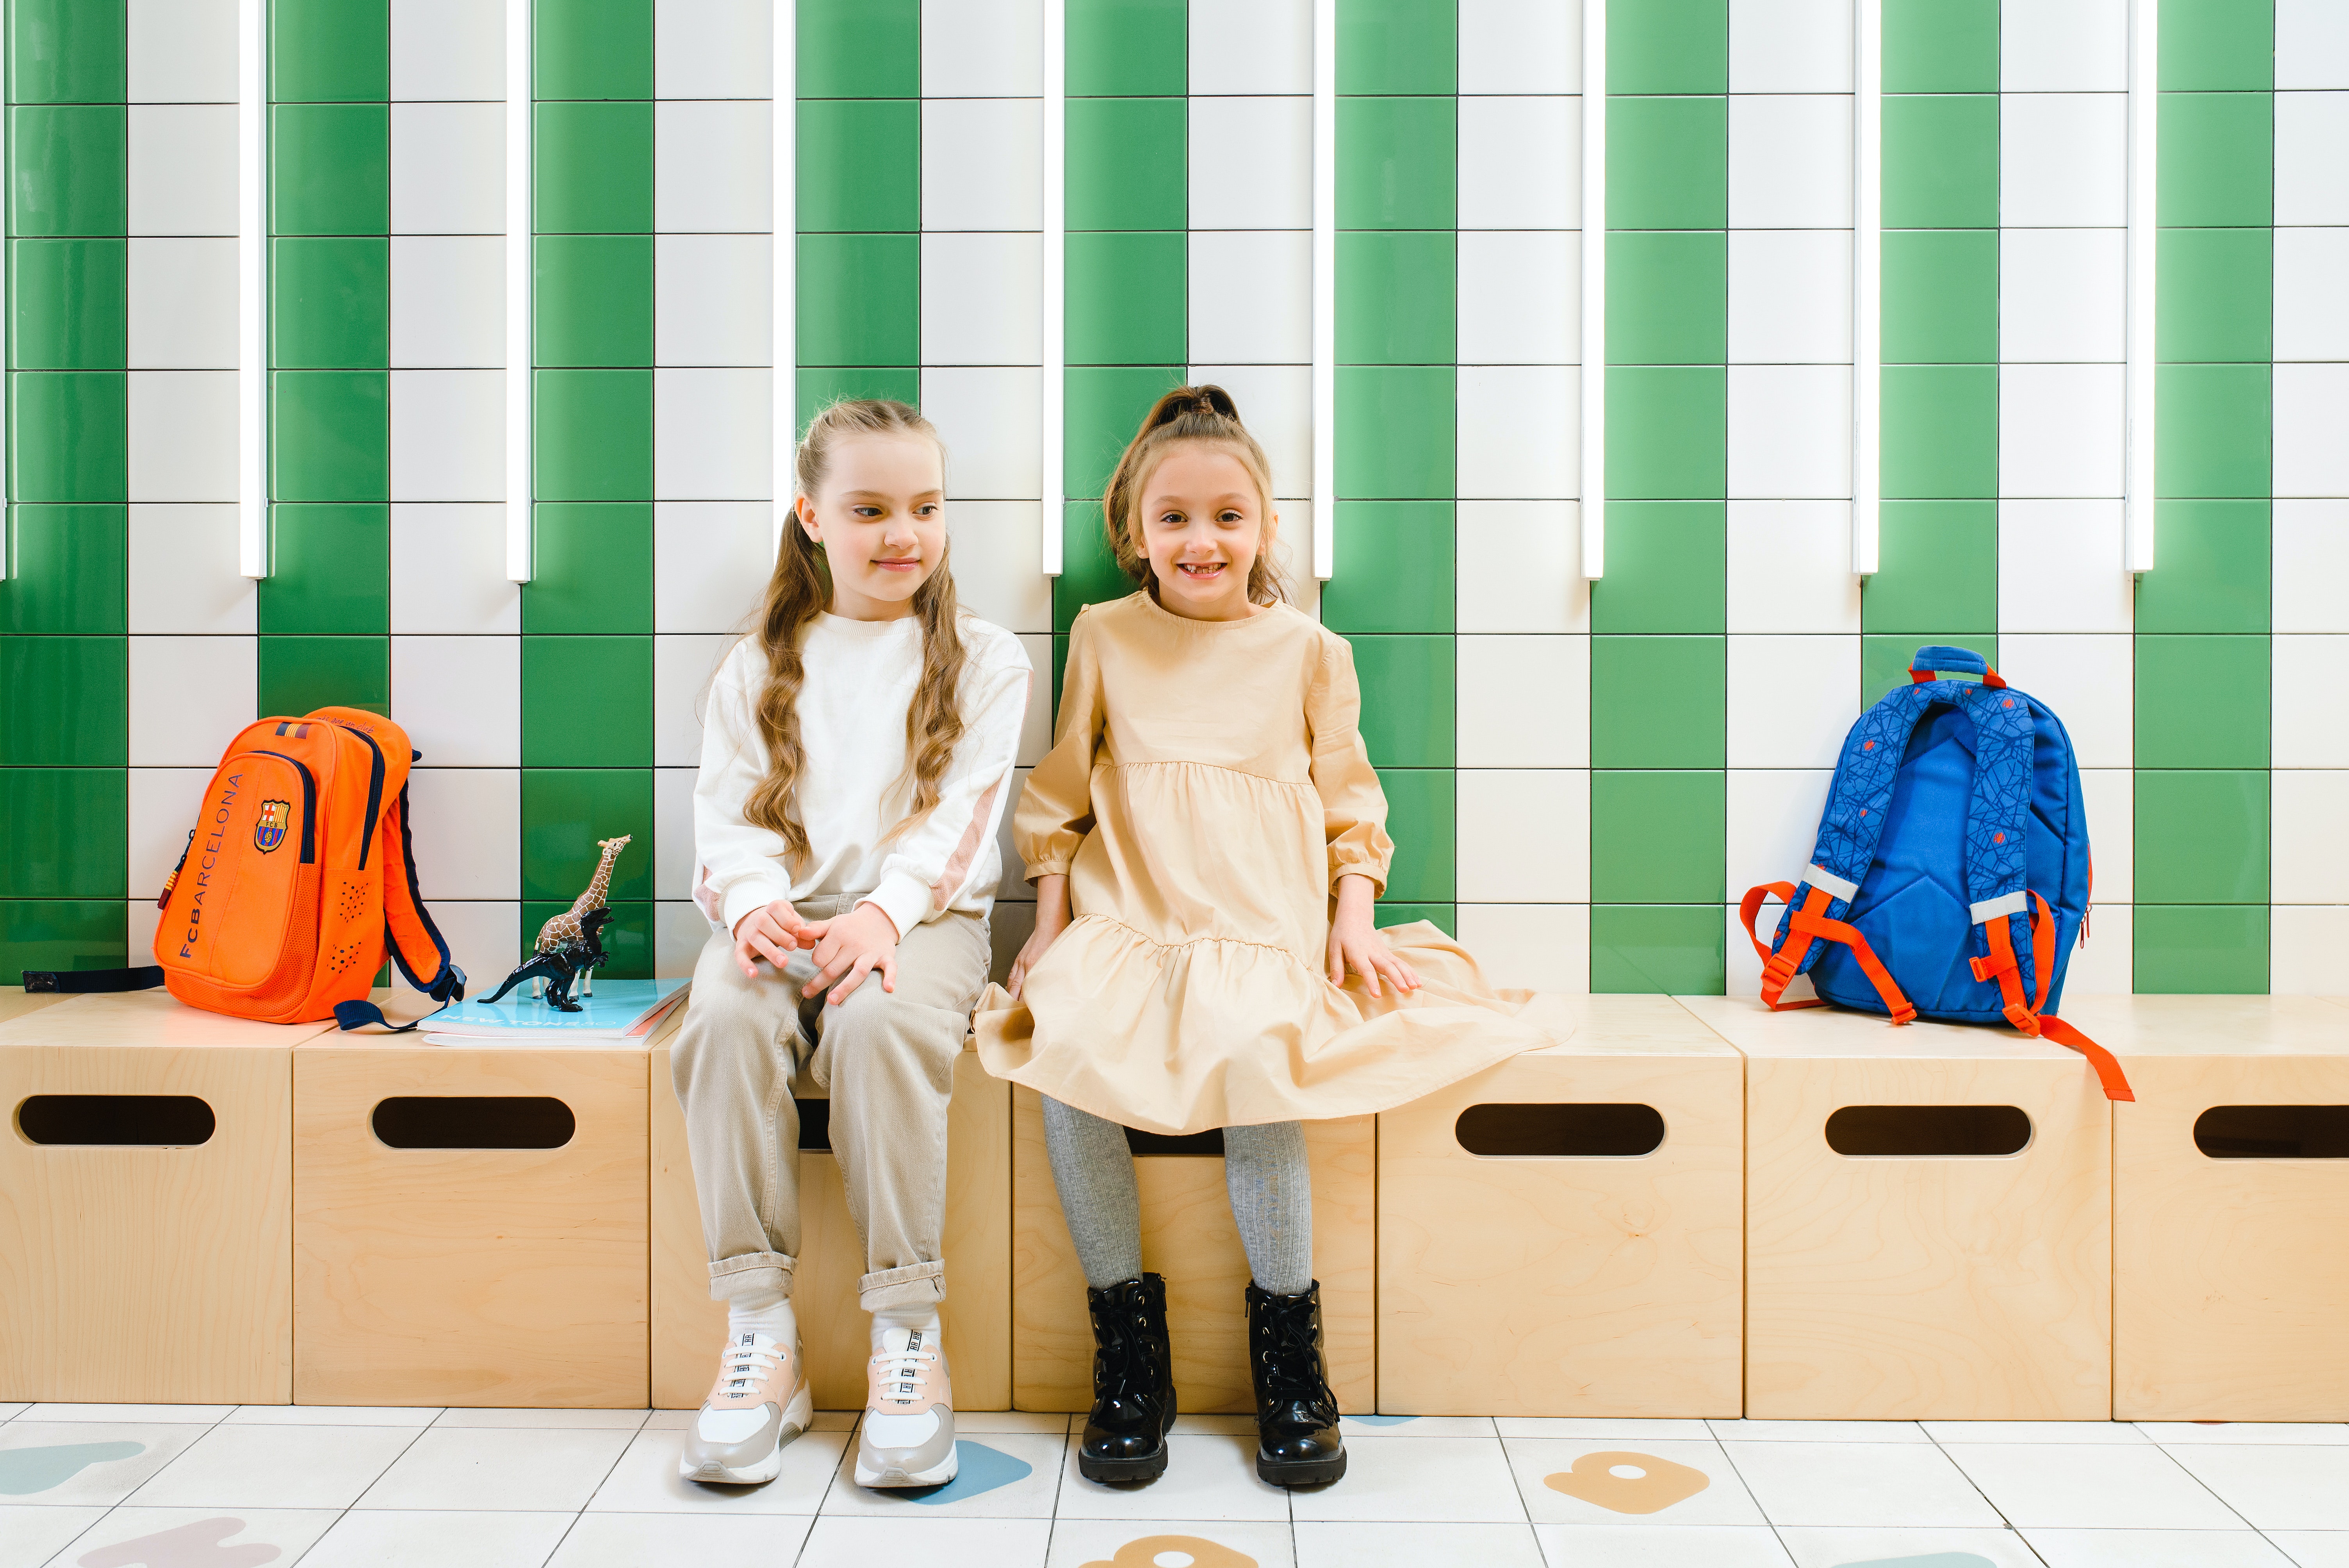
column 800, row 589
column 1207, row 416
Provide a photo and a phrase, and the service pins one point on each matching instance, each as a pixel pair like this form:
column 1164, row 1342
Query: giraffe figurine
column 565, row 929
column 569, row 944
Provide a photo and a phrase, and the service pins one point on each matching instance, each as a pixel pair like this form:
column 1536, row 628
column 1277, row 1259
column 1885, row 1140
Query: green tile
column 1445, row 917
column 2218, row 44
column 68, row 171
column 1941, row 46
column 1405, row 550
column 826, row 383
column 66, row 51
column 1666, row 949
column 2217, row 294
column 1422, row 814
column 2217, row 160
column 1398, row 46
column 2201, row 837
column 1941, row 296
column 1939, row 439
column 593, row 569
column 330, row 304
column 592, row 169
column 1090, row 573
column 299, row 674
column 1395, row 426
column 1884, row 661
column 593, row 303
column 1936, row 567
column 329, row 51
column 860, row 48
column 329, row 571
column 1125, row 299
column 2201, row 701
column 2212, row 433
column 1106, row 407
column 1659, row 702
column 1667, row 297
column 1408, row 690
column 1659, row 837
column 2215, row 571
column 1667, row 568
column 860, row 299
column 82, row 815
column 66, row 570
column 61, row 934
column 627, row 937
column 330, row 169
column 593, row 48
column 1397, row 162
column 330, row 435
column 1668, row 47
column 1667, row 433
column 2201, row 949
column 1126, row 163
column 1941, row 162
column 68, row 437
column 69, row 306
column 594, row 440
column 565, row 810
column 859, row 164
column 1396, row 302
column 1667, row 163
column 64, row 701
column 587, row 702
column 1127, row 48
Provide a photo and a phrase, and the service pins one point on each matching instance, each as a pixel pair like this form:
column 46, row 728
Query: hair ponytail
column 1205, row 415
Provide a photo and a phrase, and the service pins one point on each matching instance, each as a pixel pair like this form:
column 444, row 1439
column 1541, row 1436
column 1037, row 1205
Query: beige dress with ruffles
column 1208, row 789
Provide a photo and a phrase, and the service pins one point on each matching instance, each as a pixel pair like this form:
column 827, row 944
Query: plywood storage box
column 146, row 1180
column 688, row 1327
column 469, row 1224
column 2230, row 1205
column 1587, row 1261
column 1919, row 1274
column 1188, row 1235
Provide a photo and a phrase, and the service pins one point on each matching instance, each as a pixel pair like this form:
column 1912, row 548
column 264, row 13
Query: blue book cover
column 615, row 1011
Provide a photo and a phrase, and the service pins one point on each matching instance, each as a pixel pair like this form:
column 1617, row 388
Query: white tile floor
column 110, row 1486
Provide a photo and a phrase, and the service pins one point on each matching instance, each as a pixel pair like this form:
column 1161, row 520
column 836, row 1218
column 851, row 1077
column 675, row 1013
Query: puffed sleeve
column 1353, row 807
column 1056, row 809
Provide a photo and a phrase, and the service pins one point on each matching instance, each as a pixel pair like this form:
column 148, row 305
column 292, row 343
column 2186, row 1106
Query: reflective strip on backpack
column 2005, row 903
column 1820, row 877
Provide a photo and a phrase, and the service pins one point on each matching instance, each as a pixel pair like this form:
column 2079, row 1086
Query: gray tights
column 1263, row 1169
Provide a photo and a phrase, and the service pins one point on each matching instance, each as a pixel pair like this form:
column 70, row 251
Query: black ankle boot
column 1296, row 1440
column 1133, row 1383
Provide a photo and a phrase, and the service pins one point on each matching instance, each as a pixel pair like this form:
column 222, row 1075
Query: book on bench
column 620, row 1009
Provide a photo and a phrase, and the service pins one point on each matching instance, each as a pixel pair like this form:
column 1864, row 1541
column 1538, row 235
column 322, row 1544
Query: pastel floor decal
column 24, row 1471
column 1175, row 1552
column 196, row 1545
column 1931, row 1559
column 1380, row 1420
column 1624, row 1482
column 979, row 1469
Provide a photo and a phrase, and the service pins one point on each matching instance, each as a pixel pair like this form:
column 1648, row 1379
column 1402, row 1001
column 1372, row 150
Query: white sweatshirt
column 854, row 786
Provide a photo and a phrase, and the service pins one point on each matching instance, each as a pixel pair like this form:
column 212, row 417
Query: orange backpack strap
column 2002, row 966
column 1810, row 924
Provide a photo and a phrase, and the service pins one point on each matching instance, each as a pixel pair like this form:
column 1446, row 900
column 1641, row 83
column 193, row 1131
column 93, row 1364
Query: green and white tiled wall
column 1582, row 778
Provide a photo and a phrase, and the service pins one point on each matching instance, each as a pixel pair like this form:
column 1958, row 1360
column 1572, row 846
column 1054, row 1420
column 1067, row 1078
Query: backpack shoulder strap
column 417, row 945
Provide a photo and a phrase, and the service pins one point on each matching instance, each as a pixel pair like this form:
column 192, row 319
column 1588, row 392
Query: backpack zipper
column 163, row 899
column 375, row 795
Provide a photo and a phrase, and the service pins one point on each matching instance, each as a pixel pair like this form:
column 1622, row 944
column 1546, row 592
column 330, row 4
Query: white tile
column 1665, row 1545
column 1519, row 296
column 375, row 1537
column 2309, row 840
column 1530, row 946
column 1251, row 46
column 182, row 169
column 2312, row 409
column 1084, row 1544
column 2296, row 1486
column 1027, row 1494
column 182, row 51
column 2304, row 950
column 140, row 921
column 2109, row 797
column 995, row 555
column 1790, row 162
column 1292, row 552
column 448, row 301
column 276, row 1466
column 646, row 1479
column 1790, row 567
column 419, row 1416
column 982, row 49
column 183, row 571
column 666, row 1540
column 712, row 168
column 990, row 419
column 1792, row 699
column 682, row 666
column 2088, row 680
column 982, row 163
column 2034, row 1432
column 1251, row 296
column 2311, row 182
column 29, row 1535
column 2314, row 1548
column 1515, row 438
column 463, row 825
column 713, row 49
column 710, row 563
column 1524, row 701
column 1251, row 163
column 847, row 1542
column 182, row 435
column 1520, row 46
column 1524, row 835
column 460, row 699
column 2311, row 708
column 448, row 571
column 1722, row 1499
column 2264, row 1434
column 1858, row 1484
column 1207, row 1478
column 163, row 805
column 485, row 941
column 680, row 931
column 2156, row 1549
column 713, row 299
column 164, row 1414
column 2064, row 159
column 2060, row 429
column 2091, row 1486
column 448, row 49
column 1419, row 1480
column 1277, row 402
column 2061, row 569
column 713, row 434
column 1819, row 1432
column 462, row 1468
column 1790, row 45
column 1789, row 296
column 1789, row 430
column 189, row 696
column 161, row 1535
column 1520, row 163
column 2311, row 44
column 448, row 169
column 1773, row 827
column 181, row 300
column 448, row 435
column 1631, row 1429
column 1036, row 731
column 673, row 851
column 2311, row 314
column 545, row 1418
column 1918, row 1548
column 2062, row 295
column 1011, row 884
column 982, row 299
column 89, row 1462
column 1520, row 567
column 2064, row 46
column 2106, row 966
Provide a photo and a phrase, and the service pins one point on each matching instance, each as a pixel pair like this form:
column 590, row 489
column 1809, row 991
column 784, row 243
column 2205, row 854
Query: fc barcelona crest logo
column 269, row 831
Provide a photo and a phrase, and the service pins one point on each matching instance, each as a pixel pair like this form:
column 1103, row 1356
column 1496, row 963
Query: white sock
column 767, row 1312
column 893, row 1328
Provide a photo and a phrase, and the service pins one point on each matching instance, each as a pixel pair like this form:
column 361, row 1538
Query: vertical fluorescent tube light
column 2143, row 105
column 1592, row 486
column 1325, row 288
column 520, row 372
column 1866, row 286
column 251, row 268
column 783, row 304
column 1053, row 420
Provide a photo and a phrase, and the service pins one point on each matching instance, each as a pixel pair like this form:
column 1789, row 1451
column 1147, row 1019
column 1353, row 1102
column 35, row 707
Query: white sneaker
column 908, row 1435
column 759, row 1402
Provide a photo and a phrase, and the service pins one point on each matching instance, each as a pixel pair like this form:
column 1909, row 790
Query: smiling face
column 881, row 519
column 1203, row 524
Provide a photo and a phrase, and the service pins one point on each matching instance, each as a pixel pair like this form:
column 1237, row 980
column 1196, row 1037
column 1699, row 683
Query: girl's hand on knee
column 771, row 932
column 1052, row 919
column 1356, row 944
column 849, row 947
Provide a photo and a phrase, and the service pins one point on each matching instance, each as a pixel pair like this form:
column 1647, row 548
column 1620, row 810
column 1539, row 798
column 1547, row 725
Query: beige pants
column 887, row 1060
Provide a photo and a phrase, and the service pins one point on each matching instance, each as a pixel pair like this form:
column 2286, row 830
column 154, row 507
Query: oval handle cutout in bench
column 1569, row 1132
column 473, row 1122
column 2273, row 1132
column 1929, row 1131
column 115, row 1120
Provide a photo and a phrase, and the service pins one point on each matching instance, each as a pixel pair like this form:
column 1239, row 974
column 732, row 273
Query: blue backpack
column 1951, row 878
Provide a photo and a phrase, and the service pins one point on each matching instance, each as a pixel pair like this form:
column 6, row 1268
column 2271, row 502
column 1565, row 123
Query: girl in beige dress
column 1207, row 838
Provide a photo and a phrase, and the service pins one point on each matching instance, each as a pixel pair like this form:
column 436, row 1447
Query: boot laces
column 1293, row 1368
column 1120, row 1361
